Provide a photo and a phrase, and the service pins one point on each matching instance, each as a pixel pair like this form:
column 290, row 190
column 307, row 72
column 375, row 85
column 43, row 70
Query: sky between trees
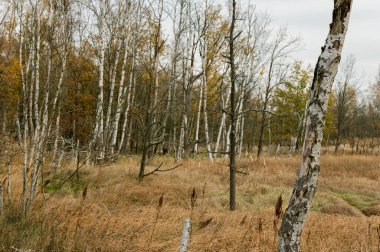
column 309, row 20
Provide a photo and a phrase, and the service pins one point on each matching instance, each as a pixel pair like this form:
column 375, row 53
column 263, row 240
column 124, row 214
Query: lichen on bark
column 307, row 175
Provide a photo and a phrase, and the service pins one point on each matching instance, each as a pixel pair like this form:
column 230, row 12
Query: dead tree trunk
column 307, row 177
column 232, row 153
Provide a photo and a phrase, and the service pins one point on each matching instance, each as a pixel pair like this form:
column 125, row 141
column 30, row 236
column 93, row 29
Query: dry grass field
column 120, row 213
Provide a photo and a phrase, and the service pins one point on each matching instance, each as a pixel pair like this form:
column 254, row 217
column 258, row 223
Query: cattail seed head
column 84, row 193
column 193, row 198
column 278, row 208
column 161, row 201
column 260, row 226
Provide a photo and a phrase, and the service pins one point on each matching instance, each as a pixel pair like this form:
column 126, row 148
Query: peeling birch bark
column 129, row 101
column 122, row 88
column 108, row 128
column 25, row 110
column 307, row 177
column 35, row 157
column 98, row 131
column 222, row 124
column 120, row 102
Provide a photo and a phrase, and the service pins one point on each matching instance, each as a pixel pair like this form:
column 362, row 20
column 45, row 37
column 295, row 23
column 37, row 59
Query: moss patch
column 359, row 201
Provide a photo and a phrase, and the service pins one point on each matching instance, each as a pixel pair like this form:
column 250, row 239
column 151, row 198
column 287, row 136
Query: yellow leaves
column 10, row 81
column 329, row 118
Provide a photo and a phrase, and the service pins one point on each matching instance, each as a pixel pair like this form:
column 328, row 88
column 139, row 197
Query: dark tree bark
column 307, row 177
column 232, row 112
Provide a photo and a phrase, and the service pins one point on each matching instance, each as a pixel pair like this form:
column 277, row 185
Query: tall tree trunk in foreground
column 307, row 177
column 232, row 112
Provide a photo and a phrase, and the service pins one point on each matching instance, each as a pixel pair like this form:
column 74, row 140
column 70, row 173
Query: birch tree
column 307, row 175
column 149, row 125
column 190, row 77
column 204, row 52
column 98, row 130
column 126, row 94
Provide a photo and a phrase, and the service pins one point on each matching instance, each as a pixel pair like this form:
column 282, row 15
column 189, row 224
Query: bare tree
column 232, row 154
column 279, row 49
column 204, row 54
column 345, row 99
column 150, row 125
column 98, row 130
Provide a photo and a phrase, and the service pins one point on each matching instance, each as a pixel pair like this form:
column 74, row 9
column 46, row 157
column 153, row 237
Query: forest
column 152, row 125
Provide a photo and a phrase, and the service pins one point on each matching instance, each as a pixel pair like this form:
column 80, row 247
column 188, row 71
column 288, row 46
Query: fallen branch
column 159, row 170
column 241, row 172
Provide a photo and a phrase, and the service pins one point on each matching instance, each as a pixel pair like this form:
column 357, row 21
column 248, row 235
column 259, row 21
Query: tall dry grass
column 121, row 214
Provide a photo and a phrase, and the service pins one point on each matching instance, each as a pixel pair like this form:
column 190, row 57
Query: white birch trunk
column 98, row 132
column 241, row 136
column 30, row 67
column 293, row 141
column 36, row 116
column 185, row 240
column 221, row 126
column 37, row 141
column 198, row 120
column 120, row 101
column 122, row 89
column 56, row 110
column 240, row 120
column 228, row 142
column 130, row 99
column 25, row 106
column 108, row 128
column 157, row 57
column 204, row 97
column 25, row 161
column 56, row 131
column 307, row 177
column 181, row 138
column 177, row 30
column 129, row 90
